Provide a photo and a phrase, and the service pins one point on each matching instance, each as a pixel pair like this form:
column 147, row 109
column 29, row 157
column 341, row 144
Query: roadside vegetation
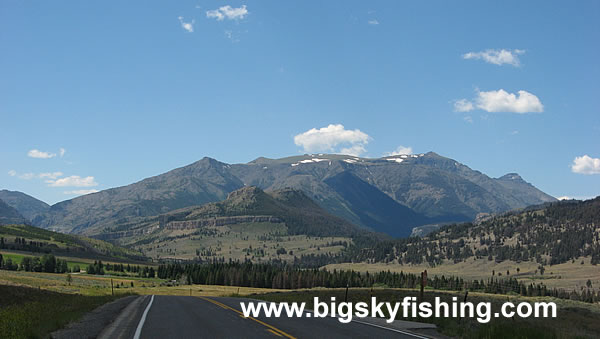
column 27, row 312
column 25, row 238
column 26, row 297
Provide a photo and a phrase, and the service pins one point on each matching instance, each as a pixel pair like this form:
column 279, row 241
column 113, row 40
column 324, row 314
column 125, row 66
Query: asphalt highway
column 204, row 317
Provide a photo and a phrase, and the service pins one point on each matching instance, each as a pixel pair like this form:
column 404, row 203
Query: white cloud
column 463, row 105
column 497, row 57
column 81, row 192
column 73, row 181
column 27, row 176
column 30, row 175
column 468, row 119
column 62, row 152
column 34, row 153
column 501, row 101
column 355, row 150
column 227, row 12
column 188, row 26
column 233, row 37
column 327, row 139
column 586, row 165
column 53, row 175
column 373, row 22
column 400, row 150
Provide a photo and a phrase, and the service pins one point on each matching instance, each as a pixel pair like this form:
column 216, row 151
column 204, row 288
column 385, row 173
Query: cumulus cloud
column 497, row 57
column 586, row 165
column 52, row 175
column 328, row 139
column 81, row 192
column 30, row 175
column 27, row 176
column 227, row 12
column 400, row 150
column 34, row 153
column 463, row 105
column 72, row 181
column 468, row 119
column 501, row 101
column 373, row 22
column 188, row 26
column 355, row 150
column 62, row 152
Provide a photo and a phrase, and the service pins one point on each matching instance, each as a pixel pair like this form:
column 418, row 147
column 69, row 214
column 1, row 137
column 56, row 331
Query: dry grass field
column 256, row 241
column 570, row 276
column 91, row 285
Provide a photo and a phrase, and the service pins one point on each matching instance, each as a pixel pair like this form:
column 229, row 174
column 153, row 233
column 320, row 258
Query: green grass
column 66, row 244
column 17, row 258
column 255, row 241
column 571, row 322
column 34, row 313
column 36, row 233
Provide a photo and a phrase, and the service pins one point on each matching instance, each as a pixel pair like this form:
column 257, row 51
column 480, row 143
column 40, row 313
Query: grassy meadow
column 256, row 241
column 569, row 276
column 26, row 297
column 33, row 313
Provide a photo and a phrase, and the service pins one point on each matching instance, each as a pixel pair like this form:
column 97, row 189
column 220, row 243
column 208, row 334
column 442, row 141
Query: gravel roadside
column 92, row 324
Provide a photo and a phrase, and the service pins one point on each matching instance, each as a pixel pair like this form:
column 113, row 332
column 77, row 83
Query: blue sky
column 130, row 90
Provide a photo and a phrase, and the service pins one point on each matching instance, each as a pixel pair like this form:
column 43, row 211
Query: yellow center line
column 277, row 334
column 273, row 328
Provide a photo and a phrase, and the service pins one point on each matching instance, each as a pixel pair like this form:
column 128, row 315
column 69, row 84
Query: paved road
column 203, row 317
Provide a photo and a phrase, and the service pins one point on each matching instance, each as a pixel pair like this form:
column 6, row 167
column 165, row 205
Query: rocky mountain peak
column 512, row 177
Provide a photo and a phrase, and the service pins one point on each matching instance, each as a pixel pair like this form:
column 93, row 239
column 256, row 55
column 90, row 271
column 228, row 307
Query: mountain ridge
column 28, row 206
column 426, row 186
column 9, row 215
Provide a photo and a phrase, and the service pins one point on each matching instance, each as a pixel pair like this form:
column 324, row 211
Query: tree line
column 548, row 235
column 285, row 276
column 99, row 268
column 48, row 263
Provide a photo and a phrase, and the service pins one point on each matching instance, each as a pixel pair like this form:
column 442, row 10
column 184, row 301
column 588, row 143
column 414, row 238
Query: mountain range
column 392, row 194
column 9, row 215
column 273, row 217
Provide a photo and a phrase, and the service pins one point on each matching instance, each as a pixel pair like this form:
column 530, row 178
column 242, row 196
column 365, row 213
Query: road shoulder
column 92, row 324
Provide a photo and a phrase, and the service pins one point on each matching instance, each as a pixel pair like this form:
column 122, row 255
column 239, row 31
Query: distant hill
column 201, row 182
column 36, row 240
column 26, row 205
column 246, row 205
column 373, row 207
column 249, row 225
column 549, row 234
column 9, row 215
column 416, row 190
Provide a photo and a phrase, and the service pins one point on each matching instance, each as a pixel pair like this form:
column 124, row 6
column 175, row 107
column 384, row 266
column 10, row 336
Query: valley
column 306, row 225
column 260, row 242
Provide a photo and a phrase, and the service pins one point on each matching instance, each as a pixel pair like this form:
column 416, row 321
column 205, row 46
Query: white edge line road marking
column 391, row 329
column 375, row 325
column 138, row 330
column 379, row 326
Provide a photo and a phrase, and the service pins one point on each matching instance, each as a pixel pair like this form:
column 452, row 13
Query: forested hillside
column 550, row 234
